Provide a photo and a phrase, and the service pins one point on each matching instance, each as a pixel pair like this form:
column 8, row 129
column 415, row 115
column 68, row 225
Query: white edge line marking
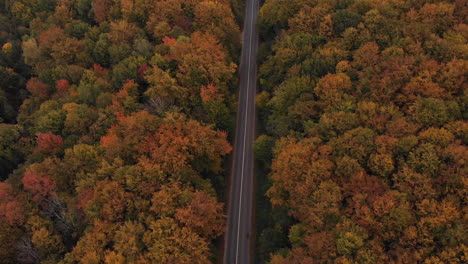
column 245, row 127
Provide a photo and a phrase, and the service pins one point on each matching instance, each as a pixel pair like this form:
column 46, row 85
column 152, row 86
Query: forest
column 117, row 119
column 363, row 110
column 115, row 123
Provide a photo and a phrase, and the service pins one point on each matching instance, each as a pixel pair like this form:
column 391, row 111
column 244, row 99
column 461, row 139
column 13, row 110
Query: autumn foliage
column 38, row 88
column 119, row 115
column 48, row 142
column 178, row 141
column 366, row 162
column 117, row 152
column 11, row 210
column 62, row 86
column 39, row 186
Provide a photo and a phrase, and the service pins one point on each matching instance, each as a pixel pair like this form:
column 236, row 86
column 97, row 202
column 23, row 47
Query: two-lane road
column 239, row 231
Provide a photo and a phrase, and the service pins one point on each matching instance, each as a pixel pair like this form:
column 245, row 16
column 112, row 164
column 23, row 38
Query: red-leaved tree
column 39, row 186
column 37, row 88
column 48, row 142
column 62, row 86
column 10, row 207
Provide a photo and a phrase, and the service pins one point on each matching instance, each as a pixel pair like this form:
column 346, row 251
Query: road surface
column 239, row 231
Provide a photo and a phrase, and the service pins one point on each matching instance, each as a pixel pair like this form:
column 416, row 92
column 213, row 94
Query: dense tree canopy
column 365, row 103
column 115, row 118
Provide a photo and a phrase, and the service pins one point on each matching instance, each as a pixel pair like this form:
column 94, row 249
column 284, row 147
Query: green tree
column 344, row 19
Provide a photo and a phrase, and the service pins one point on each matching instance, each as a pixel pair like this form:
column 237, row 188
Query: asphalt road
column 238, row 246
